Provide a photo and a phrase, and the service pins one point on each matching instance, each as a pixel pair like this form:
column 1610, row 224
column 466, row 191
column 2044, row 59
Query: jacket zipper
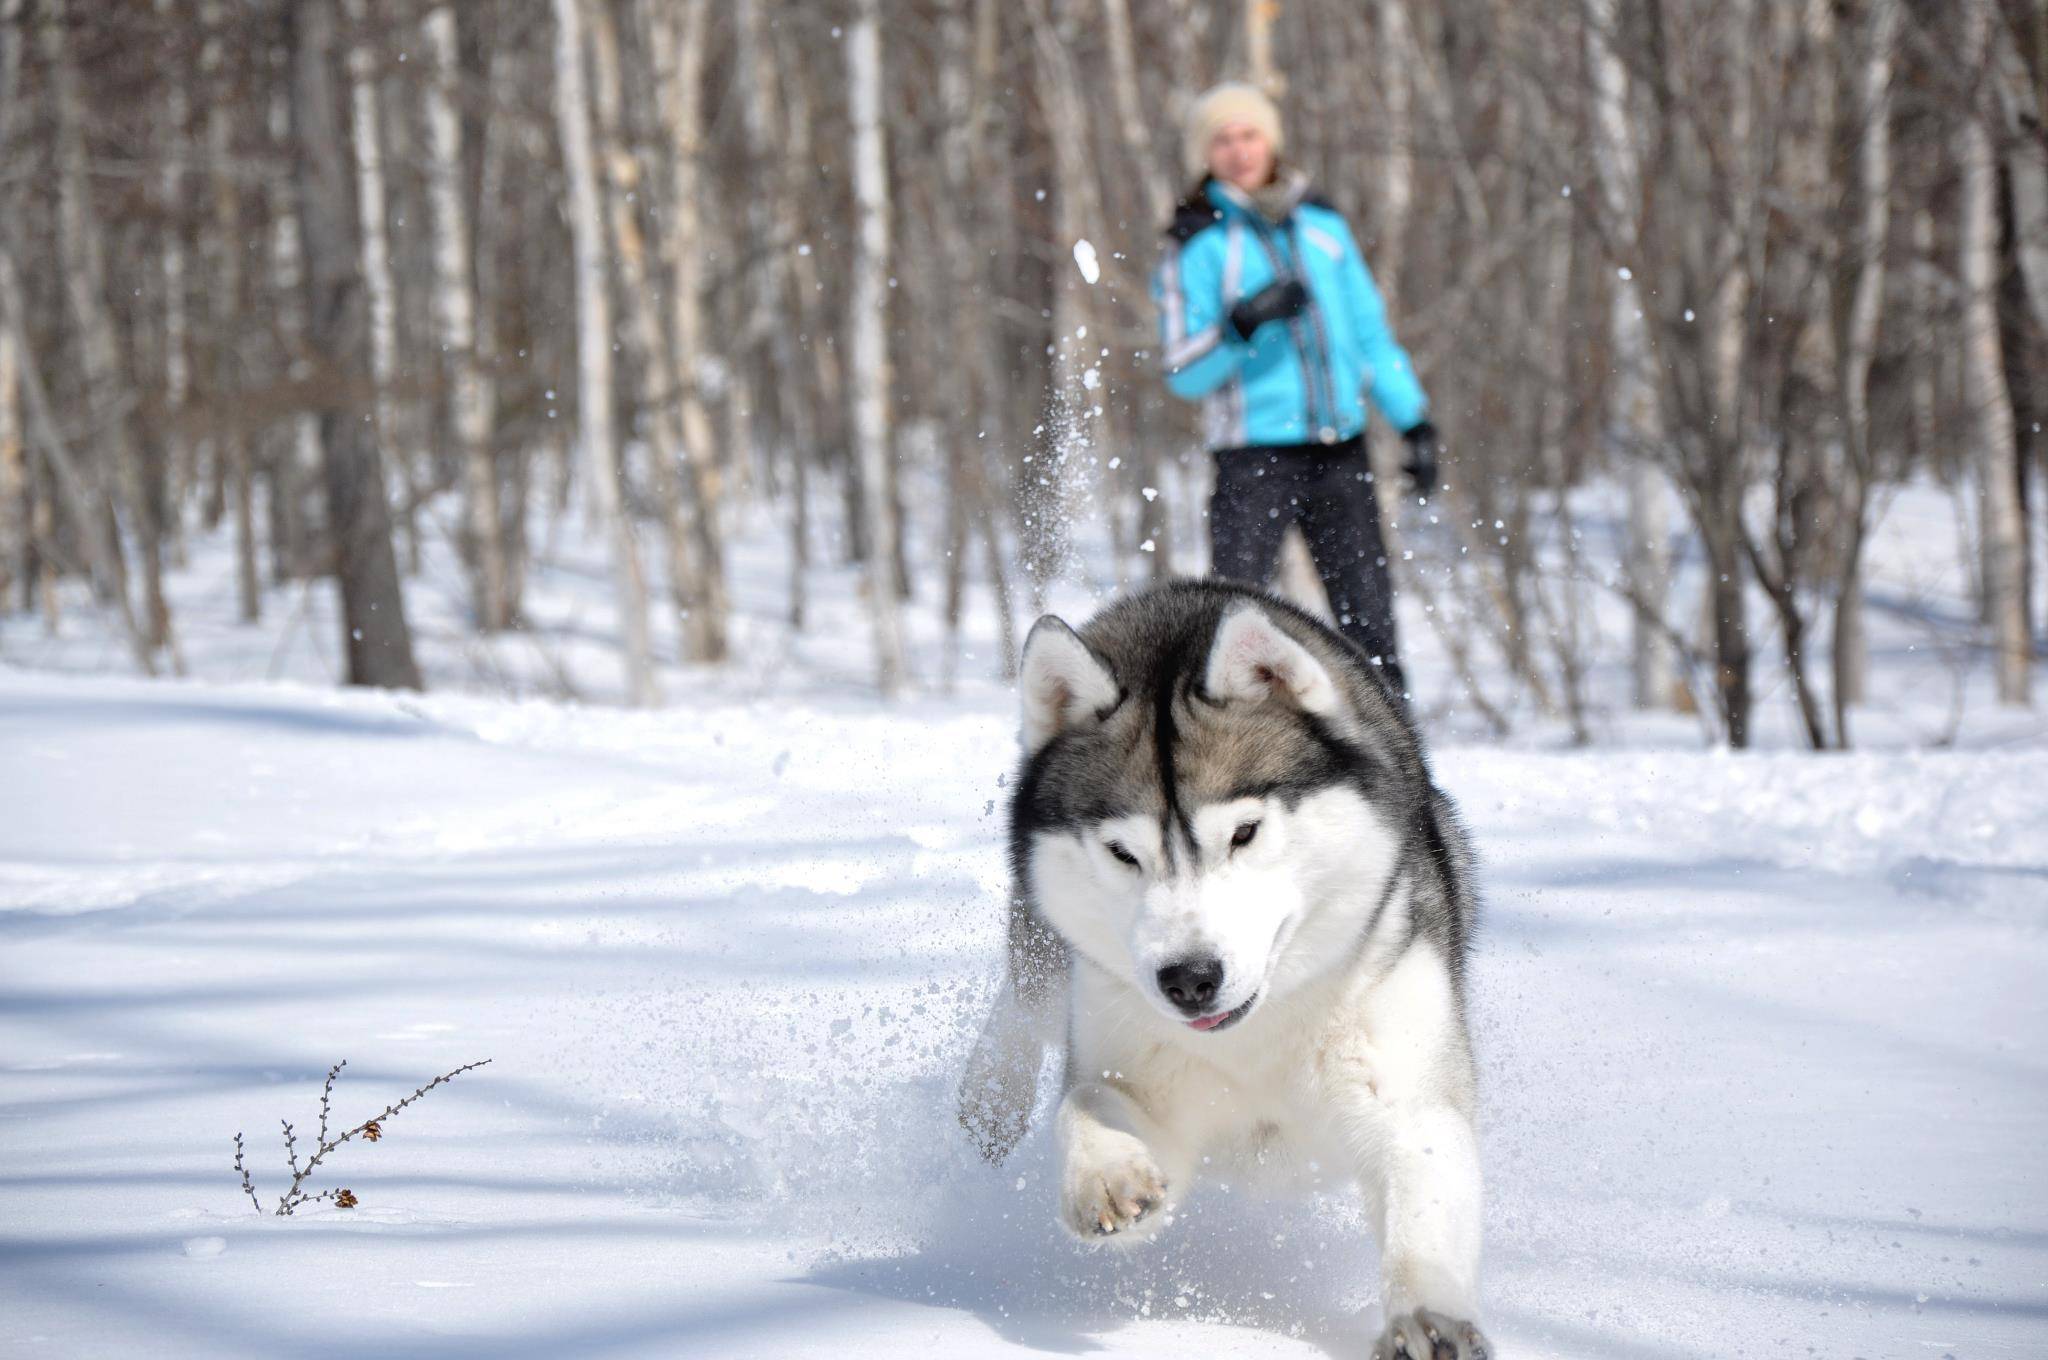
column 1311, row 354
column 1326, row 364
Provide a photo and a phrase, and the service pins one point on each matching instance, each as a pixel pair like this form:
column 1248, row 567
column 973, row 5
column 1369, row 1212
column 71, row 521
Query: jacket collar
column 1288, row 194
column 1211, row 200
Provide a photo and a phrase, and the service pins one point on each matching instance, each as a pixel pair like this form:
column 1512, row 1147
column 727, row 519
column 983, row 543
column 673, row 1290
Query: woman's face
column 1239, row 154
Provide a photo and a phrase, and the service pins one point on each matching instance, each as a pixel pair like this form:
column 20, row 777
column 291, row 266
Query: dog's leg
column 1398, row 1089
column 1427, row 1196
column 1118, row 1163
column 1000, row 1084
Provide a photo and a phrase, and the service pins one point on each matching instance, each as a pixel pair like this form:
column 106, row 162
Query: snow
column 1760, row 1034
column 1085, row 260
column 1760, row 1037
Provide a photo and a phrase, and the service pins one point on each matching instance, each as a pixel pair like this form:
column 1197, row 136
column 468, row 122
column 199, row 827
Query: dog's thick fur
column 1243, row 902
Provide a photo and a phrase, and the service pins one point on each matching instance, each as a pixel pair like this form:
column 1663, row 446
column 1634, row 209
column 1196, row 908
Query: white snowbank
column 1761, row 1036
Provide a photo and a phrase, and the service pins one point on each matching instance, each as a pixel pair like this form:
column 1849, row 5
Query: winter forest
column 402, row 297
column 519, row 520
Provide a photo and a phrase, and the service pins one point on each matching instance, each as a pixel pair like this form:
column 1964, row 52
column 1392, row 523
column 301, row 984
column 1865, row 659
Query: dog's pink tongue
column 1208, row 1021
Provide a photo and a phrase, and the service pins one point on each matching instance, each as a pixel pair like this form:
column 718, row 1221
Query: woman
column 1270, row 318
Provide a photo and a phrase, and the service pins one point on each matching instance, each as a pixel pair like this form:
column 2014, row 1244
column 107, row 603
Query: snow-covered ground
column 1761, row 1037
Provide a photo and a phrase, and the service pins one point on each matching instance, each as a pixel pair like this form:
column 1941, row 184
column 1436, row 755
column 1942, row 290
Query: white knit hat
column 1230, row 103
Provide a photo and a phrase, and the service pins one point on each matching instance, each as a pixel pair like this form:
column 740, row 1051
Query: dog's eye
column 1123, row 856
column 1242, row 837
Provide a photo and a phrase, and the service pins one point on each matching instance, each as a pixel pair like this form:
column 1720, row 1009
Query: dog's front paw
column 1426, row 1335
column 1112, row 1187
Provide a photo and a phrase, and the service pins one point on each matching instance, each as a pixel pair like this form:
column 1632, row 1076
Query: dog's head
column 1214, row 796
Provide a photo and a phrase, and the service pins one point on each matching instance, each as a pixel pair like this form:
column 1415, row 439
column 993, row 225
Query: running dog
column 1245, row 908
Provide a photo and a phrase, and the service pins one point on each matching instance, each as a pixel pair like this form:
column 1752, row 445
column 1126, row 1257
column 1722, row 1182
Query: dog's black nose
column 1192, row 984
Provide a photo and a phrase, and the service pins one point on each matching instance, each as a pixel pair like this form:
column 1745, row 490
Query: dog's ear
column 1063, row 683
column 1252, row 659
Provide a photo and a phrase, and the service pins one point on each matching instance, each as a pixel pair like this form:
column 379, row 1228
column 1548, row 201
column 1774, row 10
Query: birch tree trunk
column 230, row 438
column 973, row 382
column 83, row 499
column 1257, row 17
column 702, row 637
column 1926, row 302
column 1063, row 457
column 1712, row 210
column 773, row 219
column 14, row 489
column 375, row 637
column 1394, row 195
column 293, row 468
column 1154, row 505
column 812, row 395
column 594, row 349
column 956, row 100
column 16, row 548
column 108, row 393
column 868, row 338
column 1859, row 346
column 468, row 385
column 1990, row 403
column 1634, row 427
column 1134, row 126
column 174, row 472
column 1728, row 312
column 506, row 79
column 2026, row 160
column 676, row 33
column 366, row 126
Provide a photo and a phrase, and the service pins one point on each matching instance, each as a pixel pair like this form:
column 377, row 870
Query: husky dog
column 1238, row 889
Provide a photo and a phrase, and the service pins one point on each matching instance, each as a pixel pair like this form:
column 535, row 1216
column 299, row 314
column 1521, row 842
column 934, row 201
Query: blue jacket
column 1301, row 381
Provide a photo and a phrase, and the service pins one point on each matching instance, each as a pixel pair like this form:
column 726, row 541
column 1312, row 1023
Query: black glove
column 1420, row 466
column 1274, row 302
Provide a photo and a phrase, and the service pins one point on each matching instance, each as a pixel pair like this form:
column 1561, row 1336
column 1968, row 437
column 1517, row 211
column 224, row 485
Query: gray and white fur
column 1244, row 908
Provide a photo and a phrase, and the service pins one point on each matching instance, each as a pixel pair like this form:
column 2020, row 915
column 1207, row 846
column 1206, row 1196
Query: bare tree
column 1990, row 402
column 1633, row 419
column 2021, row 96
column 109, row 391
column 594, row 394
column 677, row 40
column 15, row 543
column 647, row 345
column 379, row 278
column 772, row 221
column 868, row 337
column 469, row 386
column 87, row 511
column 375, row 637
column 232, row 467
column 1396, row 198
column 14, row 489
column 1865, row 277
column 973, row 381
column 1650, row 247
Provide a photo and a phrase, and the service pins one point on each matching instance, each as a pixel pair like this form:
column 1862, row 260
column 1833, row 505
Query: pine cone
column 345, row 1199
column 372, row 1132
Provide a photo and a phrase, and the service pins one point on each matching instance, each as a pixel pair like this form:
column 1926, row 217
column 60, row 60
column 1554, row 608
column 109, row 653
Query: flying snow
column 1084, row 256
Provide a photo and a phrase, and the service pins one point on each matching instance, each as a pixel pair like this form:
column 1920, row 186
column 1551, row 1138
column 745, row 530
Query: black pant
column 1328, row 491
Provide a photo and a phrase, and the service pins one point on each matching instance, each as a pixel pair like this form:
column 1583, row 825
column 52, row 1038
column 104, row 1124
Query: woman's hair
column 1197, row 194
